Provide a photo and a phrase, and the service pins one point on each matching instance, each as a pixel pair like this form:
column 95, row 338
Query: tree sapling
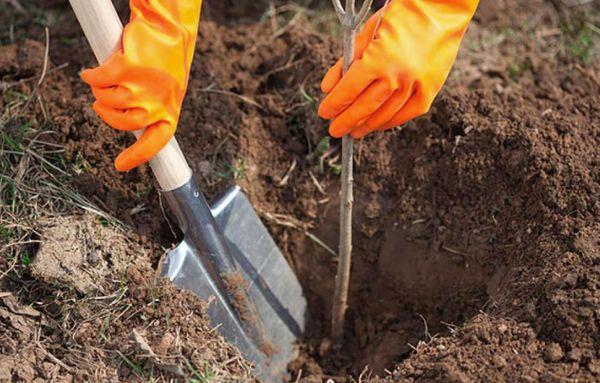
column 350, row 20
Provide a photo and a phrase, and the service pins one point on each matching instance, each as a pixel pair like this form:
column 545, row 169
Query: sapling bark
column 350, row 20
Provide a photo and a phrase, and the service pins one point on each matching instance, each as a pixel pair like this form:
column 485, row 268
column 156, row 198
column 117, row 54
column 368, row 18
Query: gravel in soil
column 476, row 227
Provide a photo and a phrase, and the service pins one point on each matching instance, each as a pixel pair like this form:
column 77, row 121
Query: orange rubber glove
column 401, row 62
column 143, row 84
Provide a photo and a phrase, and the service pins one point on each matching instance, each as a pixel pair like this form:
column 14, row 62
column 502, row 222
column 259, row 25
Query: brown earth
column 476, row 237
column 121, row 324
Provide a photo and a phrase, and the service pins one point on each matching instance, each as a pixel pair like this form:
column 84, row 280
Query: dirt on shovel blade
column 476, row 227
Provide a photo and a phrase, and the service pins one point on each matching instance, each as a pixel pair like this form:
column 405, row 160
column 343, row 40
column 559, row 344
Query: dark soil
column 477, row 231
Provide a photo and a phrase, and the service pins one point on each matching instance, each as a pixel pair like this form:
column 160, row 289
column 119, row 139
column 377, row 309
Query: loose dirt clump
column 476, row 227
column 23, row 60
column 237, row 287
column 81, row 252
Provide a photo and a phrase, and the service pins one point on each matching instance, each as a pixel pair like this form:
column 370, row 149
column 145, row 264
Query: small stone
column 47, row 370
column 205, row 168
column 570, row 279
column 441, row 347
column 165, row 344
column 585, row 312
column 373, row 209
column 553, row 352
column 502, row 328
column 574, row 355
column 499, row 361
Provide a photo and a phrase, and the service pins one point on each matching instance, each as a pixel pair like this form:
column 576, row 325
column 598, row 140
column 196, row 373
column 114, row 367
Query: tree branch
column 339, row 9
column 364, row 10
column 350, row 8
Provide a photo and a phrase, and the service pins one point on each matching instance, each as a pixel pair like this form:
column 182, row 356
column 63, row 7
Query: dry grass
column 34, row 178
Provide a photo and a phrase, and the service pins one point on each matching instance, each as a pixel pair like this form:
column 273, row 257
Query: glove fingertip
column 329, row 82
column 97, row 108
column 335, row 132
column 95, row 76
column 392, row 124
column 360, row 132
column 146, row 147
column 325, row 86
column 325, row 112
column 373, row 123
column 124, row 163
column 100, row 109
column 106, row 74
column 332, row 77
column 88, row 76
column 341, row 126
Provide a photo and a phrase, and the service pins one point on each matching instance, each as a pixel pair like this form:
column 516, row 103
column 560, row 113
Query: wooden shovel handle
column 103, row 30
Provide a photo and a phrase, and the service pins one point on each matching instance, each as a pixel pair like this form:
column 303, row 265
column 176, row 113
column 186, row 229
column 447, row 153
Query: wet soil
column 476, row 234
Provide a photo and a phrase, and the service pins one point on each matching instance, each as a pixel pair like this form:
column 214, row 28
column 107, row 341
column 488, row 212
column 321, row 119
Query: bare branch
column 350, row 8
column 364, row 10
column 339, row 9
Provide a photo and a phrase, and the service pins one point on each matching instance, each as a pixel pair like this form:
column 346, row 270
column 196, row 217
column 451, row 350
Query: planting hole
column 403, row 292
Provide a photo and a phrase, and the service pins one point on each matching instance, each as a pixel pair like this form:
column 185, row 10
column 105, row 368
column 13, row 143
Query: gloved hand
column 401, row 61
column 143, row 84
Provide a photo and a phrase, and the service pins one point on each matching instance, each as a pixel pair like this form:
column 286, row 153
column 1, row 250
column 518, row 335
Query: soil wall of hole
column 476, row 227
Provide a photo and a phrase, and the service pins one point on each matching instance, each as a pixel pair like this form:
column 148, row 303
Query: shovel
column 227, row 256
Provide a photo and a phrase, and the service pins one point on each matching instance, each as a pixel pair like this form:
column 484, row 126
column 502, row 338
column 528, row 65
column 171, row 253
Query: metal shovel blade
column 272, row 286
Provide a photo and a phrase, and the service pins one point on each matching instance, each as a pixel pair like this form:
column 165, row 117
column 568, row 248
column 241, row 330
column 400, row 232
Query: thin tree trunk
column 350, row 20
